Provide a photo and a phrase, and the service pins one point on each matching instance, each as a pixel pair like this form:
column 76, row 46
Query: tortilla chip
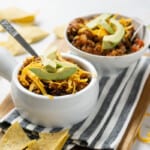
column 13, row 46
column 59, row 31
column 1, row 29
column 16, row 15
column 14, row 138
column 31, row 34
column 24, row 24
column 55, row 141
column 32, row 145
column 50, row 141
column 60, row 44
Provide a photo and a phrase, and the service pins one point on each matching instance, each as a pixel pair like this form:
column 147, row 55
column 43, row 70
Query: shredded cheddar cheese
column 147, row 138
column 147, row 115
column 50, row 88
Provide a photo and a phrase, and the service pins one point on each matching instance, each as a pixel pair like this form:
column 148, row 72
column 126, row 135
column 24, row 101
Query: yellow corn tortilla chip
column 24, row 24
column 31, row 34
column 1, row 29
column 16, row 15
column 59, row 31
column 13, row 46
column 32, row 145
column 60, row 44
column 14, row 138
column 50, row 141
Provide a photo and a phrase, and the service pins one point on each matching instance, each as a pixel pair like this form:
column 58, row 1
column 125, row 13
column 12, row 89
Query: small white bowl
column 62, row 110
column 109, row 65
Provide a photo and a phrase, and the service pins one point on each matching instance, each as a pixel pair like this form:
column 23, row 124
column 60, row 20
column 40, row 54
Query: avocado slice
column 110, row 41
column 64, row 64
column 61, row 74
column 48, row 60
column 101, row 20
column 50, row 69
column 49, row 64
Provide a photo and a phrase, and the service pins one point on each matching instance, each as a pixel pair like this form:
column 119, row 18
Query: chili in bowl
column 54, row 90
column 105, row 40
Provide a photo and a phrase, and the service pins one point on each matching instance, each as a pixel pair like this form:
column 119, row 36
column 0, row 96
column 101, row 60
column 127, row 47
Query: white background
column 56, row 12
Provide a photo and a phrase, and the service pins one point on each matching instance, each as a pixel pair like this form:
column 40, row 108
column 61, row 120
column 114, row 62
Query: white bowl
column 62, row 110
column 109, row 65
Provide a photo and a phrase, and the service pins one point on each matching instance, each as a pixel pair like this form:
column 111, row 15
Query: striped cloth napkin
column 104, row 128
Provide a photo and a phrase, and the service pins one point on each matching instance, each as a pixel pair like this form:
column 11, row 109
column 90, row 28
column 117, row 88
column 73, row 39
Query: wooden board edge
column 135, row 123
column 6, row 106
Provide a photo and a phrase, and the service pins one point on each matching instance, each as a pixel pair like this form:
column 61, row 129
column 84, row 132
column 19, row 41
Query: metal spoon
column 13, row 32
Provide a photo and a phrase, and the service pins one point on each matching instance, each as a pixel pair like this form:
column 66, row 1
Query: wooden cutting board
column 135, row 123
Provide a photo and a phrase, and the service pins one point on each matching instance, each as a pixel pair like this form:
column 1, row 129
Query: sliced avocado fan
column 101, row 20
column 54, row 69
column 65, row 64
column 48, row 60
column 110, row 41
column 62, row 74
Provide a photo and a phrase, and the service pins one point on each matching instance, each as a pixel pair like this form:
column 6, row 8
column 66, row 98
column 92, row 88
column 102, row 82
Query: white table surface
column 56, row 12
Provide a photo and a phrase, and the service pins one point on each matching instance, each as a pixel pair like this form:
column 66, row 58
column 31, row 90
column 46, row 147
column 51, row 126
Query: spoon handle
column 12, row 31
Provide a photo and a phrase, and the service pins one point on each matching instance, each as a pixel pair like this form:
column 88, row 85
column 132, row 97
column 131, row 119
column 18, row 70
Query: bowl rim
column 86, row 63
column 135, row 19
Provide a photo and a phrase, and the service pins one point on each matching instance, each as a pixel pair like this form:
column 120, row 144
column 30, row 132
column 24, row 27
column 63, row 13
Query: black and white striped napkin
column 104, row 128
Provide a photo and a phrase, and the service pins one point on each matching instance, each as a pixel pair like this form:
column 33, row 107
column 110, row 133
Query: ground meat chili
column 76, row 82
column 86, row 40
